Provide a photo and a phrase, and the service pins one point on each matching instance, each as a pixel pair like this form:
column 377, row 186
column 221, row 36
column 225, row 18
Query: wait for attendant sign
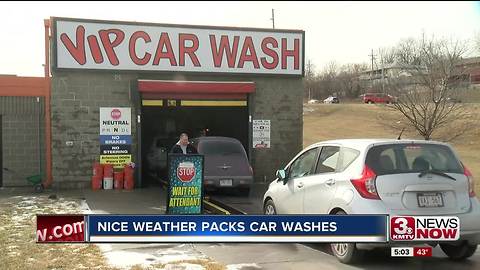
column 87, row 44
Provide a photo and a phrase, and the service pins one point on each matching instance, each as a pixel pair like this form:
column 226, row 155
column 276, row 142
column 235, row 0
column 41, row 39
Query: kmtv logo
column 186, row 171
column 424, row 228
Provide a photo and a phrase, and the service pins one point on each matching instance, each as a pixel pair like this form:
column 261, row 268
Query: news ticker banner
column 244, row 228
column 185, row 184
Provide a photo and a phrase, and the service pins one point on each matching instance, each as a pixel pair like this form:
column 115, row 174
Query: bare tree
column 477, row 42
column 348, row 80
column 428, row 87
column 387, row 56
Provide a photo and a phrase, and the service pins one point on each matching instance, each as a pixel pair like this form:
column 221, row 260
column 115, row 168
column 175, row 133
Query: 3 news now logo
column 425, row 228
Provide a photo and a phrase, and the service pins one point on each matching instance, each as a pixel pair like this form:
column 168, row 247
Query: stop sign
column 116, row 114
column 186, row 171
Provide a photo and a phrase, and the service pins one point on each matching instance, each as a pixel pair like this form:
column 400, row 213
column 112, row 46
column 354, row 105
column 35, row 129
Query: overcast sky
column 344, row 32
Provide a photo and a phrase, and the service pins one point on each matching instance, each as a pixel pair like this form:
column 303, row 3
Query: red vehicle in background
column 378, row 98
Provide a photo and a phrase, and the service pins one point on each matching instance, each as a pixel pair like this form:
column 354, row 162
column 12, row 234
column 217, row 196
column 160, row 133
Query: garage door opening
column 166, row 115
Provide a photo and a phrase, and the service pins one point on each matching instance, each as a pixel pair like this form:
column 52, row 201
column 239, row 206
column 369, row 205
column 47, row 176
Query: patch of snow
column 85, row 208
column 165, row 259
column 183, row 266
column 21, row 218
column 125, row 259
column 13, row 253
column 243, row 265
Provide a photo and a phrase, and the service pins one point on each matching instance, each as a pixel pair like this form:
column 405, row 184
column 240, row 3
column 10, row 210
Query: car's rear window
column 220, row 148
column 410, row 158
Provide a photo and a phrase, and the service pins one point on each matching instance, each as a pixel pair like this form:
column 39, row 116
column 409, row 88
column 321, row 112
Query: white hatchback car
column 368, row 176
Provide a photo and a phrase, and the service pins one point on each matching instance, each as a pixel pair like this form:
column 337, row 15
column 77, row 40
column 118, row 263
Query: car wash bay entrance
column 169, row 108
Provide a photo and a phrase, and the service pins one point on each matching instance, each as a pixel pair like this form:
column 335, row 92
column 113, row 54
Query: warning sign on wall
column 261, row 133
column 106, row 149
column 115, row 121
column 115, row 136
column 118, row 161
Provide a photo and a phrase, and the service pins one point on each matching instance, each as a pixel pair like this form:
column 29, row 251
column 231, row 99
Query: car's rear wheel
column 369, row 102
column 346, row 252
column 269, row 208
column 458, row 252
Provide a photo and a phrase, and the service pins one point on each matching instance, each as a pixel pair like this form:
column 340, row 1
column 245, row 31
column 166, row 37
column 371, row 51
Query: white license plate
column 430, row 199
column 226, row 182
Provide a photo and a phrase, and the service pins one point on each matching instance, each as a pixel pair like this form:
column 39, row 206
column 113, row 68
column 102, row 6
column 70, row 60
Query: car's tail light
column 471, row 182
column 365, row 185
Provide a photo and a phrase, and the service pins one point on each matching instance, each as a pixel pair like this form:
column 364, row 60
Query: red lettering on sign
column 436, row 233
column 251, row 56
column 295, row 53
column 76, row 51
column 450, row 233
column 132, row 45
column 272, row 53
column 95, row 49
column 109, row 45
column 224, row 48
column 164, row 42
column 190, row 51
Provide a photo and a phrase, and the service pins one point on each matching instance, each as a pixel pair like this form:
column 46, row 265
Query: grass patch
column 19, row 250
column 17, row 235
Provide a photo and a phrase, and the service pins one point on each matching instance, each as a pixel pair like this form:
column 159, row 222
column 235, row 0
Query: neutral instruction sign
column 115, row 121
column 115, row 136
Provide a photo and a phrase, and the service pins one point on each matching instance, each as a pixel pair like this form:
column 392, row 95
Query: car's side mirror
column 282, row 175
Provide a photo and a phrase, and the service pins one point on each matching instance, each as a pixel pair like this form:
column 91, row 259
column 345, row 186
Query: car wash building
column 119, row 89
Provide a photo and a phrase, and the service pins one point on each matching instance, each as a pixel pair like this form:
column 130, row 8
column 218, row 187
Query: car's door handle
column 330, row 182
column 300, row 185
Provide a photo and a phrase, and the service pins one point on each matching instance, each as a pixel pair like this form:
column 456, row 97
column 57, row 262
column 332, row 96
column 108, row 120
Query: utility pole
column 308, row 79
column 383, row 77
column 372, row 57
column 273, row 18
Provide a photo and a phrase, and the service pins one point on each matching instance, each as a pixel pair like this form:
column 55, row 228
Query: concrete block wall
column 76, row 101
column 23, row 140
column 280, row 101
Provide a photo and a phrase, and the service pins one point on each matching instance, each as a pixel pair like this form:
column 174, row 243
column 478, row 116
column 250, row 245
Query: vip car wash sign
column 115, row 136
column 185, row 176
column 86, row 44
column 261, row 133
